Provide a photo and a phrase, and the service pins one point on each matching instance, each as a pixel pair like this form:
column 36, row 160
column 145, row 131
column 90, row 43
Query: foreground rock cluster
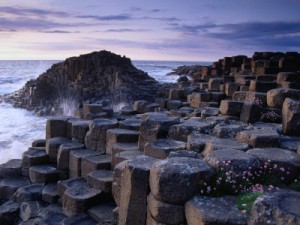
column 146, row 163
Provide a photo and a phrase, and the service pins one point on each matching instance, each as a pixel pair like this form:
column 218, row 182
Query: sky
column 181, row 30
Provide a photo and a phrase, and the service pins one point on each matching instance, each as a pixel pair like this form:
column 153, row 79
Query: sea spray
column 68, row 103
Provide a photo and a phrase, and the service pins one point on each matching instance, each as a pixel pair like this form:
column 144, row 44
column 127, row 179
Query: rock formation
column 98, row 76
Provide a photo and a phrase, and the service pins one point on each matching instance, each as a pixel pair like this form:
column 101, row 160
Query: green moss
column 245, row 201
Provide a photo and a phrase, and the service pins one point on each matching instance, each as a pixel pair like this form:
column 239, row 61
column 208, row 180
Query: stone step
column 130, row 124
column 53, row 214
column 11, row 168
column 52, row 146
column 161, row 148
column 33, row 156
column 63, row 185
column 121, row 147
column 43, row 174
column 126, row 155
column 75, row 159
column 119, row 135
column 208, row 210
column 50, row 193
column 8, row 186
column 32, row 192
column 91, row 163
column 102, row 213
column 39, row 143
column 79, row 199
column 101, row 179
column 63, row 154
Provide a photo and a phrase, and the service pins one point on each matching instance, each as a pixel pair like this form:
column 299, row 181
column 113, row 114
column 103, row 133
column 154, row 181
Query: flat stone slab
column 259, row 137
column 216, row 144
column 130, row 124
column 119, row 135
column 239, row 161
column 185, row 174
column 43, row 174
column 101, row 179
column 126, row 155
column 180, row 132
column 63, row 185
column 121, row 147
column 8, row 186
column 103, row 213
column 32, row 192
column 161, row 148
column 79, row 219
column 34, row 156
column 79, row 199
column 196, row 141
column 208, row 211
column 11, row 168
column 276, row 208
column 91, row 163
column 283, row 160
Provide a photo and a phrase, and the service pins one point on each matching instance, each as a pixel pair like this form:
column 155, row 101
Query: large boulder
column 184, row 174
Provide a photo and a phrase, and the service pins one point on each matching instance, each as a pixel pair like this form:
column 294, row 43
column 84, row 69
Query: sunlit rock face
column 94, row 77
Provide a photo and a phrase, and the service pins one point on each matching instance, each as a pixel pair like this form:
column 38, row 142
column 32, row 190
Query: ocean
column 18, row 127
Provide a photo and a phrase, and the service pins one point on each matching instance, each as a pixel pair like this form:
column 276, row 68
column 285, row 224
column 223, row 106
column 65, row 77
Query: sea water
column 19, row 127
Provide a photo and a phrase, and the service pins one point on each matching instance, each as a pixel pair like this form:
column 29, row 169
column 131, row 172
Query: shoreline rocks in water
column 98, row 76
column 154, row 162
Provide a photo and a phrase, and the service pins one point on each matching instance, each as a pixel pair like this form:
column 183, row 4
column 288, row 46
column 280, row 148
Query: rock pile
column 146, row 165
column 98, row 76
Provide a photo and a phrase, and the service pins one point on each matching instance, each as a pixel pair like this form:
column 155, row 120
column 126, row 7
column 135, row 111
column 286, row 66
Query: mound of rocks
column 91, row 77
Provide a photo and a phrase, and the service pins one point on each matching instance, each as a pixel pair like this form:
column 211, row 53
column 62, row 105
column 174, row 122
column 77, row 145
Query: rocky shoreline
column 155, row 162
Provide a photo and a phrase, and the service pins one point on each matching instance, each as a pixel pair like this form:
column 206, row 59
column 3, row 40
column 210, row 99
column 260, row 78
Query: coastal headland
column 221, row 146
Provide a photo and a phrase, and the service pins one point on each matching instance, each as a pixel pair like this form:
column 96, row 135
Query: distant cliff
column 98, row 76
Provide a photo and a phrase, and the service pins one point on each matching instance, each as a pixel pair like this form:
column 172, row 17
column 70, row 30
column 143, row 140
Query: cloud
column 163, row 19
column 59, row 32
column 126, row 30
column 120, row 17
column 18, row 11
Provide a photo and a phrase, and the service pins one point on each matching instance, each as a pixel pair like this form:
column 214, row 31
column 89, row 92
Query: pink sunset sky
column 189, row 30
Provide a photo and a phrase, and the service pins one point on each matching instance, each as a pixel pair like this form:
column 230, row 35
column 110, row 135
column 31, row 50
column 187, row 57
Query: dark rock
column 134, row 191
column 165, row 213
column 291, row 117
column 103, row 213
column 43, row 174
column 30, row 209
column 92, row 163
column 88, row 77
column 161, row 148
column 32, row 192
column 185, row 174
column 101, row 179
column 52, row 146
column 78, row 219
column 63, row 185
column 284, row 163
column 11, row 168
column 230, row 108
column 276, row 208
column 8, row 186
column 63, row 154
column 9, row 213
column 276, row 97
column 207, row 210
column 50, row 193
